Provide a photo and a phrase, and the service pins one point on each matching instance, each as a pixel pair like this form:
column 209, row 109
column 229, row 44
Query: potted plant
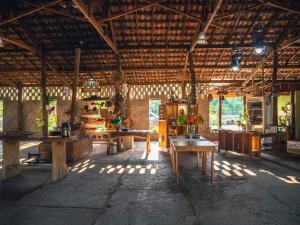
column 181, row 120
column 242, row 121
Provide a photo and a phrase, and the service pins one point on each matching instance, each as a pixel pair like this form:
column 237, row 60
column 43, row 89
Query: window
column 232, row 110
column 214, row 113
column 153, row 113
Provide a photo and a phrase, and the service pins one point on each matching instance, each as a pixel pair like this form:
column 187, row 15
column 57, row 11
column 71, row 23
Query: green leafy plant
column 154, row 130
column 242, row 121
column 200, row 120
column 115, row 121
column 181, row 120
column 39, row 123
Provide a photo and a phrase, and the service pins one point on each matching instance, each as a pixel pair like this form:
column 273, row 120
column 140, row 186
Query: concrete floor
column 126, row 189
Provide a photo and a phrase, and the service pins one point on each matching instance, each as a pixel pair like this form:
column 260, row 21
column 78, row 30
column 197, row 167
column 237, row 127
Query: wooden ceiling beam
column 50, row 10
column 237, row 12
column 143, row 68
column 20, row 44
column 161, row 5
column 116, row 16
column 30, row 48
column 92, row 20
column 206, row 25
column 279, row 6
column 29, row 12
column 144, row 47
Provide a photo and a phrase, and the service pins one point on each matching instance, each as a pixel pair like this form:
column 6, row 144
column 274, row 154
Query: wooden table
column 200, row 145
column 133, row 133
column 11, row 155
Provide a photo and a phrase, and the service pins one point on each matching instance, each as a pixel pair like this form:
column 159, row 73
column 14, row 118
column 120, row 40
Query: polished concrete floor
column 127, row 189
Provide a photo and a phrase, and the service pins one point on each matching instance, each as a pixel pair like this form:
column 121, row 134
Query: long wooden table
column 133, row 133
column 199, row 145
column 11, row 154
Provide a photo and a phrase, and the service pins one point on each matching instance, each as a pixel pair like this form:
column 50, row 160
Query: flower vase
column 191, row 130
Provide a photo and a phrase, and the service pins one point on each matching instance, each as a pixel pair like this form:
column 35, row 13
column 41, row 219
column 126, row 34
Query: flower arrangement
column 192, row 119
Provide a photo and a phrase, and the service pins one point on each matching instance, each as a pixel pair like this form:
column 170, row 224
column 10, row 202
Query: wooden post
column 193, row 79
column 293, row 114
column 20, row 107
column 220, row 112
column 11, row 158
column 73, row 111
column 59, row 166
column 44, row 94
column 244, row 104
column 274, row 88
column 183, row 90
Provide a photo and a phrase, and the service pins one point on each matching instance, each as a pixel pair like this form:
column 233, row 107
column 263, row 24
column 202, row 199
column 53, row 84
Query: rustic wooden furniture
column 200, row 145
column 168, row 125
column 240, row 141
column 128, row 142
column 76, row 149
column 11, row 155
column 279, row 141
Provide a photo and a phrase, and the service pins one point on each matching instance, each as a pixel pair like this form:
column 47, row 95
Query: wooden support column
column 183, row 87
column 293, row 115
column 44, row 93
column 220, row 112
column 73, row 111
column 59, row 166
column 11, row 159
column 20, row 107
column 274, row 88
column 193, row 79
column 244, row 104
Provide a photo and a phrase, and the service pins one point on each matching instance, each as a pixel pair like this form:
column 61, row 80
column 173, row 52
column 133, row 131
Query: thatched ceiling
column 151, row 37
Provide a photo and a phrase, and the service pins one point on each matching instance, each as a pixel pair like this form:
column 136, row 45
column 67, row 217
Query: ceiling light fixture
column 90, row 82
column 202, row 40
column 258, row 39
column 236, row 59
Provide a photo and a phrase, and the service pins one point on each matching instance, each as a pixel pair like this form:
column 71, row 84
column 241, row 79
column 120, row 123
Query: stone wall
column 32, row 110
column 10, row 115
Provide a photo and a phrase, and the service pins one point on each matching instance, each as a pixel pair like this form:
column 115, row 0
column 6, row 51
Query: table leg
column 212, row 166
column 59, row 166
column 177, row 167
column 11, row 159
column 172, row 158
column 204, row 162
column 198, row 158
column 148, row 146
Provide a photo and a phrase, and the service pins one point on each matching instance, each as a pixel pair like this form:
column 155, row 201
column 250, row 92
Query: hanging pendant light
column 258, row 39
column 236, row 59
column 90, row 82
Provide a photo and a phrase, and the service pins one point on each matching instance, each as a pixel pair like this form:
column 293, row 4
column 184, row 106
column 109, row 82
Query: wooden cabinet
column 168, row 125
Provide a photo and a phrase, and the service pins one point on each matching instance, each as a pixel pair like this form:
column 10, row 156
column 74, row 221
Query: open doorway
column 154, row 113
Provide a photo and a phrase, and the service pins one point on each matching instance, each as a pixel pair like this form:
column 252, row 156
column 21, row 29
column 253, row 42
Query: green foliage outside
column 154, row 106
column 153, row 113
column 214, row 113
column 52, row 117
column 232, row 109
column 1, row 108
